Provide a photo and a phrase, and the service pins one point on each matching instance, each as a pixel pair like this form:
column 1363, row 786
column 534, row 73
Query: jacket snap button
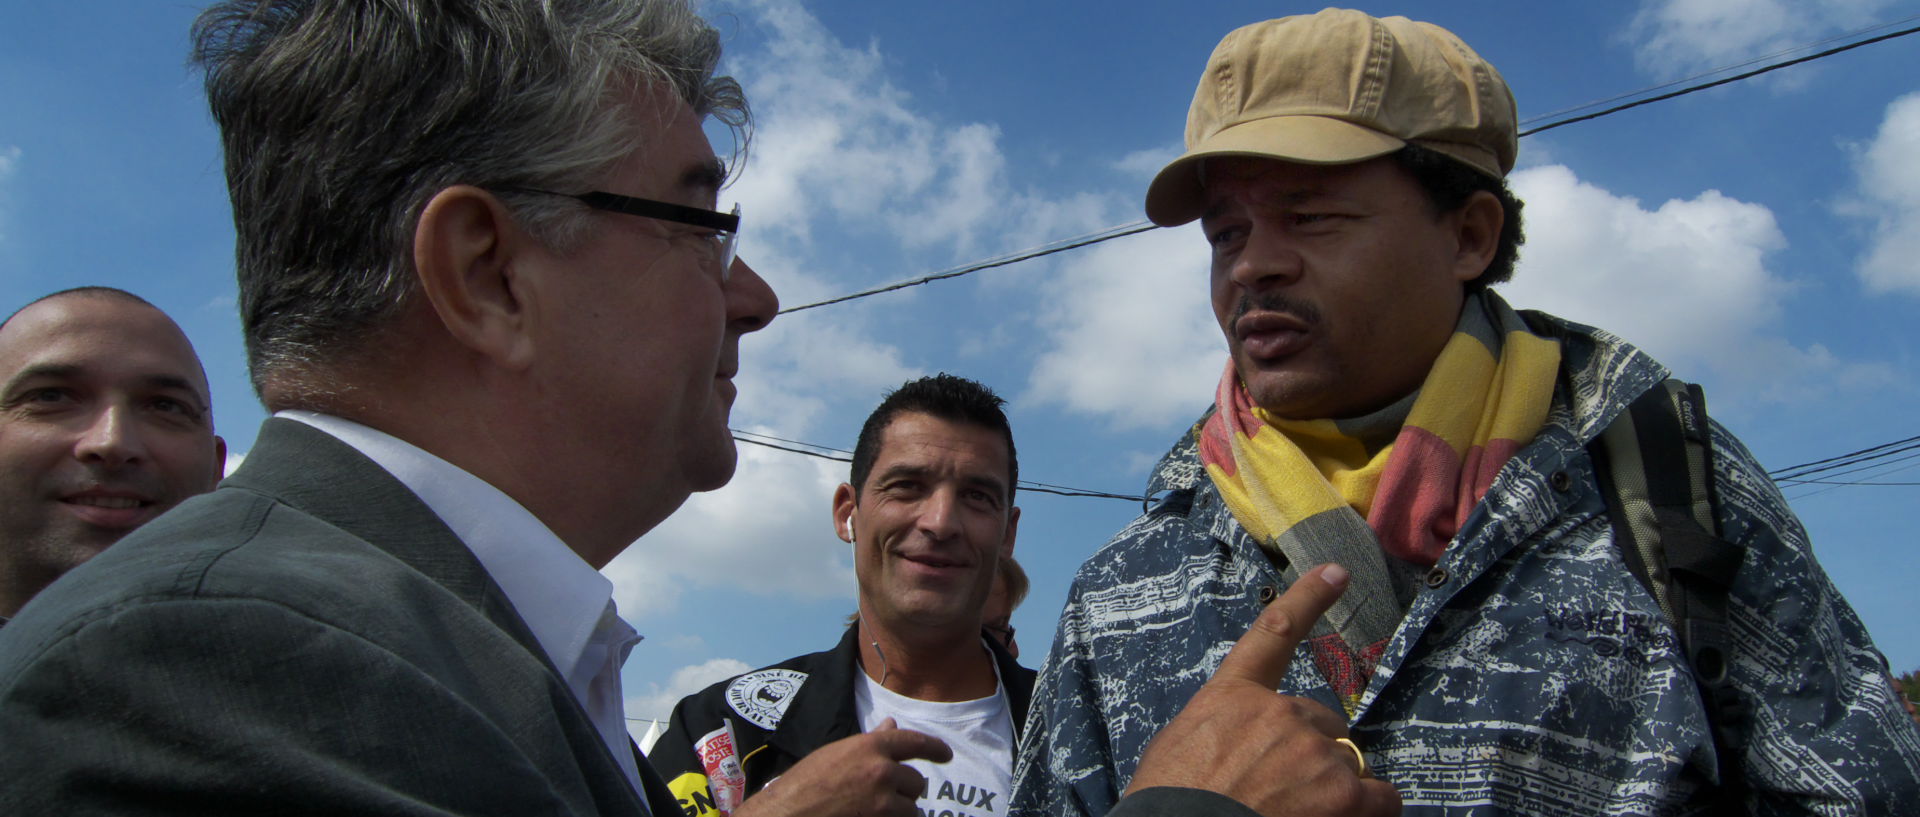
column 1268, row 594
column 1436, row 577
column 1561, row 481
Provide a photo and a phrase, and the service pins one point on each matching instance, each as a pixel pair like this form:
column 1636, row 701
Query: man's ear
column 1013, row 526
column 1477, row 226
column 843, row 502
column 464, row 250
column 219, row 462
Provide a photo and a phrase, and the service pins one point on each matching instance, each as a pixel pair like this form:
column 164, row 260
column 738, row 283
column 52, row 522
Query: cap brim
column 1176, row 195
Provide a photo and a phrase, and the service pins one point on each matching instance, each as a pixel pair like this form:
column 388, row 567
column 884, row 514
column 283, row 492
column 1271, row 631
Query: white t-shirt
column 977, row 781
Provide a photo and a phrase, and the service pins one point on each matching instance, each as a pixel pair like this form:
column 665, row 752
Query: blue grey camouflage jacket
column 1532, row 675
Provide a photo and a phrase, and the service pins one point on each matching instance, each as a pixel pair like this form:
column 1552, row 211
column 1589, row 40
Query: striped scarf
column 1396, row 483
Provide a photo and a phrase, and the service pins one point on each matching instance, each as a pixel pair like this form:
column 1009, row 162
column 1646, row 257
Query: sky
column 1762, row 239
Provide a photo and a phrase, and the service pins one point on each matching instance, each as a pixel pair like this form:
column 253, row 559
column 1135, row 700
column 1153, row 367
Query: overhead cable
column 1025, row 485
column 1843, row 460
column 1720, row 70
column 968, row 269
column 1719, row 82
column 1121, row 231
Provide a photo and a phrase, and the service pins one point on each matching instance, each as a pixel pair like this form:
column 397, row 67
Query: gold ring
column 1358, row 756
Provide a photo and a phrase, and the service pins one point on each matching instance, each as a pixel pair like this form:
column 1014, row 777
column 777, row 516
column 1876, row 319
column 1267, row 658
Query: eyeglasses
column 725, row 226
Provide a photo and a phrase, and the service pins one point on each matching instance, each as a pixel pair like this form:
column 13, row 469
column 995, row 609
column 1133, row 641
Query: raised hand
column 1277, row 754
column 861, row 775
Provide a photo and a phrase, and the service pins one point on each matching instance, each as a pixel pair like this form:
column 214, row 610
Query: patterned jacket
column 1532, row 675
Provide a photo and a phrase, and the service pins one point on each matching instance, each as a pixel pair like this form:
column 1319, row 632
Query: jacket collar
column 309, row 470
column 822, row 711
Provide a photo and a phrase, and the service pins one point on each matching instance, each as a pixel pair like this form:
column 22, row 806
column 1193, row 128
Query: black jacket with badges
column 782, row 713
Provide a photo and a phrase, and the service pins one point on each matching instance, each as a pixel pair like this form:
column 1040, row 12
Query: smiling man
column 929, row 512
column 105, row 423
column 1383, row 409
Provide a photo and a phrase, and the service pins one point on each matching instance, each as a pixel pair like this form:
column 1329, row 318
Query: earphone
column 849, row 529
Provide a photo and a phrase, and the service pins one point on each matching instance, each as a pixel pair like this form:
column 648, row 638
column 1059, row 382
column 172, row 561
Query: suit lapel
column 312, row 471
column 309, row 469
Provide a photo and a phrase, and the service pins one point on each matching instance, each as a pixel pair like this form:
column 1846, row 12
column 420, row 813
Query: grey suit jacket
column 307, row 639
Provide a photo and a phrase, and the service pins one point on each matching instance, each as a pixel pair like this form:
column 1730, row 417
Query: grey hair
column 341, row 119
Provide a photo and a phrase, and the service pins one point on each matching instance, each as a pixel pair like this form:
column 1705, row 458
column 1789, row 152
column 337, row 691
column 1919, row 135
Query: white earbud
column 849, row 529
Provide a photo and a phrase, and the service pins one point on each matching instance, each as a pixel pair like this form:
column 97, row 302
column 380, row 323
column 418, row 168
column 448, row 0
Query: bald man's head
column 105, row 423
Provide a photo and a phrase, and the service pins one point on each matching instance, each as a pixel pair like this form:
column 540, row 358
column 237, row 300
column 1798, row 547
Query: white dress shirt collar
column 566, row 603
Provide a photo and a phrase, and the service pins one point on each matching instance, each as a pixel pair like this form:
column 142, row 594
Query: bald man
column 105, row 423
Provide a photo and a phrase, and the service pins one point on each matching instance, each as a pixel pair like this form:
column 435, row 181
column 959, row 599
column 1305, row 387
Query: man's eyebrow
column 174, row 382
column 68, row 371
column 901, row 470
column 1291, row 198
column 42, row 371
column 706, row 177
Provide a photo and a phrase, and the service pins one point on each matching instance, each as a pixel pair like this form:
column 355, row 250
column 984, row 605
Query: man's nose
column 939, row 513
column 111, row 440
column 751, row 303
column 1269, row 258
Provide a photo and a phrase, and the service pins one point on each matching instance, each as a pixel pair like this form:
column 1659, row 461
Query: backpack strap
column 1657, row 470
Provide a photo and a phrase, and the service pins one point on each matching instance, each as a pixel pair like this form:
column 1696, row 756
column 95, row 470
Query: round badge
column 762, row 697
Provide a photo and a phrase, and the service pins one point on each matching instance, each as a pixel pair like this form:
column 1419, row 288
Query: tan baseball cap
column 1337, row 87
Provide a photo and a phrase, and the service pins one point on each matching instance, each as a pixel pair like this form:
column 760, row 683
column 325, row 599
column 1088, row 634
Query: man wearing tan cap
column 1383, row 410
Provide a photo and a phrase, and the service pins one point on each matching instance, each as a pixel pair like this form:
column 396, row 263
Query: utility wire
column 1025, row 485
column 1843, row 460
column 1134, row 228
column 1720, row 70
column 1830, row 475
column 1789, row 476
column 1835, row 485
column 968, row 269
column 1719, row 82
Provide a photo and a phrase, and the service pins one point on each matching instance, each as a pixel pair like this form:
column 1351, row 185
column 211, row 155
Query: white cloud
column 1147, row 163
column 1131, row 331
column 838, row 139
column 658, row 701
column 769, row 531
column 1888, row 193
column 1683, row 36
column 233, row 463
column 1686, row 281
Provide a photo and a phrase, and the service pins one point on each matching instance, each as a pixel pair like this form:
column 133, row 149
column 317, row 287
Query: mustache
column 1305, row 311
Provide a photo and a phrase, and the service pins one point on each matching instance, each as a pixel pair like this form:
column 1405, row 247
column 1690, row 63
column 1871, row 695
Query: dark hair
column 951, row 398
column 1449, row 182
column 90, row 291
column 341, row 119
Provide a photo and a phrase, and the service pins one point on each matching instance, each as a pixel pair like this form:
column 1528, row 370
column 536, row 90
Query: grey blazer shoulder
column 307, row 639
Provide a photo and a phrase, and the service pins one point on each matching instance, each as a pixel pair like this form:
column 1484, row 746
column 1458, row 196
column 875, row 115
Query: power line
column 1844, row 460
column 1719, row 82
column 968, row 269
column 1831, row 478
column 1025, row 485
column 1134, row 228
column 1720, row 70
column 1835, row 485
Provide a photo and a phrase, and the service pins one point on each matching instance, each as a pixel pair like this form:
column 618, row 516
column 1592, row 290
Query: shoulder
column 231, row 550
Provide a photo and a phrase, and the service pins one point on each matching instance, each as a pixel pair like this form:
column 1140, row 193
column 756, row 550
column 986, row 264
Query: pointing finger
column 905, row 744
column 1263, row 654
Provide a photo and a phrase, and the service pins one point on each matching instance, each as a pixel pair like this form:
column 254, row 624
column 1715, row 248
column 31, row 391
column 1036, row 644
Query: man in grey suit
column 487, row 295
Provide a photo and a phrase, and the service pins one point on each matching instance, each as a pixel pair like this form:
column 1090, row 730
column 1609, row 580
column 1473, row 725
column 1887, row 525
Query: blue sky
column 1763, row 239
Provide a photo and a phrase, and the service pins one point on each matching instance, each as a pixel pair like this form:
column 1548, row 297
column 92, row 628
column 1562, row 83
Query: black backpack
column 1656, row 469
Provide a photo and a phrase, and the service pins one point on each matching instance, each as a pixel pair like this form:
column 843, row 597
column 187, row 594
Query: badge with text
column 762, row 697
